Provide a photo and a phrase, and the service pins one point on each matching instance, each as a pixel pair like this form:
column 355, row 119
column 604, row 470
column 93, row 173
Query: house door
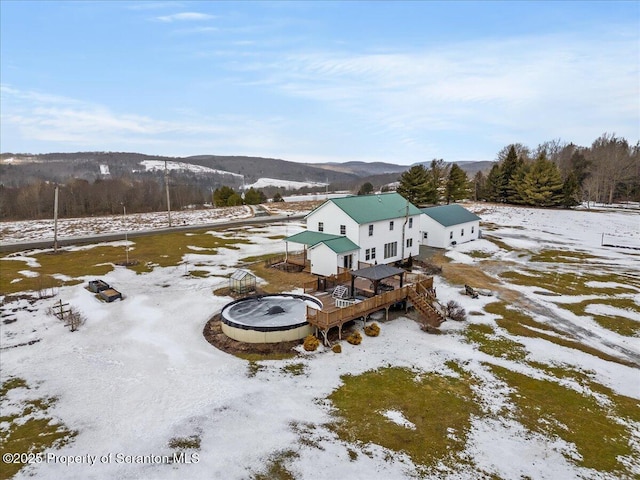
column 348, row 261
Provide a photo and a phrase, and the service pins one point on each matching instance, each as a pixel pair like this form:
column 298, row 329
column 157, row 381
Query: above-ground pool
column 268, row 318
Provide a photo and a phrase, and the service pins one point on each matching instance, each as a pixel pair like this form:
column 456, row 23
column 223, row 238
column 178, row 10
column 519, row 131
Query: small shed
column 242, row 281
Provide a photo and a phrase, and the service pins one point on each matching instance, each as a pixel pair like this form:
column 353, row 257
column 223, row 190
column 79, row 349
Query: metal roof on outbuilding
column 311, row 238
column 448, row 215
column 341, row 245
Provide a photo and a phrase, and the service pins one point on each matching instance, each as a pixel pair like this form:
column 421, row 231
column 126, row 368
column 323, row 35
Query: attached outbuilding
column 448, row 225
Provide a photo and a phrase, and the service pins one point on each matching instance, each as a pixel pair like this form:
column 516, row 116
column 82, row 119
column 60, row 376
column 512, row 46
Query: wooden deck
column 331, row 316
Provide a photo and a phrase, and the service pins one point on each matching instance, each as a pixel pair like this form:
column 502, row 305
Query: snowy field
column 139, row 373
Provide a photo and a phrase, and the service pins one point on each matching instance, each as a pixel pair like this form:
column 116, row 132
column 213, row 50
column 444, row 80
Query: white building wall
column 332, row 217
column 440, row 236
column 324, row 261
column 383, row 235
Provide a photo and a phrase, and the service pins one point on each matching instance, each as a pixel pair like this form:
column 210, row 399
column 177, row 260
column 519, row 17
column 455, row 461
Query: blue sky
column 400, row 82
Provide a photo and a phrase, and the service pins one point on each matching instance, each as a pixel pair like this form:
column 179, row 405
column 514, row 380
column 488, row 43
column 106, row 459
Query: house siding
column 439, row 235
column 332, row 217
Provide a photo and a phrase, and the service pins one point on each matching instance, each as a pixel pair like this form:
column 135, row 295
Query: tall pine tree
column 457, row 187
column 413, row 185
column 542, row 184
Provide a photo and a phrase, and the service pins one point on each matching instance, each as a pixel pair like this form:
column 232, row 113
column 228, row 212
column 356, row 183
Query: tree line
column 554, row 174
column 79, row 198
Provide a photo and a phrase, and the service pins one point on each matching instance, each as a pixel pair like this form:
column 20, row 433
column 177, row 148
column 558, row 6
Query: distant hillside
column 205, row 171
column 363, row 169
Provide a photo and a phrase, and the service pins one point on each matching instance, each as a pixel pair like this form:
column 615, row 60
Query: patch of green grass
column 276, row 468
column 199, row 273
column 260, row 258
column 91, row 261
column 519, row 323
column 253, row 368
column 439, row 406
column 185, row 443
column 479, row 254
column 498, row 243
column 622, row 325
column 562, row 256
column 294, row 369
column 155, row 250
column 569, row 283
column 167, row 249
column 277, row 237
column 553, row 410
column 256, row 357
column 30, row 431
column 497, row 346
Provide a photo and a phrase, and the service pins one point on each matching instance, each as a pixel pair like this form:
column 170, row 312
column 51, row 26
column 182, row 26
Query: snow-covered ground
column 140, row 373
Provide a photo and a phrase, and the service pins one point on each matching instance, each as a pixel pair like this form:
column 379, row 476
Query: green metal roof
column 374, row 208
column 448, row 215
column 311, row 238
column 341, row 245
column 337, row 243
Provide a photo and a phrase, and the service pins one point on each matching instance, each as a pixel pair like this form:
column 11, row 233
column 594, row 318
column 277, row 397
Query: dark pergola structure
column 376, row 274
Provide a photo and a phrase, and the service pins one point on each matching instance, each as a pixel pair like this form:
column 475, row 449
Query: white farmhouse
column 353, row 232
column 448, row 225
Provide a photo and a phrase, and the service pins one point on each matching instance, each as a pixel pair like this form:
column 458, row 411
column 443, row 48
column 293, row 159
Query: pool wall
column 297, row 330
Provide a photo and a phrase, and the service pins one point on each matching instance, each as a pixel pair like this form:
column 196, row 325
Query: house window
column 373, row 253
column 320, row 226
column 371, row 230
column 391, row 225
column 409, row 242
column 343, row 229
column 462, row 232
column 451, row 235
column 411, row 223
column 367, row 254
column 472, row 229
column 390, row 249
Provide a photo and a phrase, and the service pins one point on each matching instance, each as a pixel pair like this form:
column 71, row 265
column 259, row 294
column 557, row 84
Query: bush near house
column 372, row 330
column 311, row 343
column 355, row 338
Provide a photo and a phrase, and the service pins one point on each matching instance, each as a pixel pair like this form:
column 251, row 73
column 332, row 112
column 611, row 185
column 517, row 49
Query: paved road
column 110, row 237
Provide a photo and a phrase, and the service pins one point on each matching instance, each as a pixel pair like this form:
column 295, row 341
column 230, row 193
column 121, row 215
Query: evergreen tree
column 253, row 197
column 413, row 185
column 221, row 196
column 494, row 183
column 277, row 197
column 234, row 200
column 457, row 187
column 509, row 167
column 542, row 184
column 436, row 183
column 570, row 191
column 516, row 184
column 479, row 186
column 365, row 189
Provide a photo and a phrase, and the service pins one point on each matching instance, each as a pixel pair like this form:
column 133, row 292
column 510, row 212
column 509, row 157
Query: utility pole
column 166, row 186
column 126, row 240
column 55, row 220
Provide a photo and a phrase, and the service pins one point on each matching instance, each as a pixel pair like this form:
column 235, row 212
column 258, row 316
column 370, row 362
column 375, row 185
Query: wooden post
column 55, row 220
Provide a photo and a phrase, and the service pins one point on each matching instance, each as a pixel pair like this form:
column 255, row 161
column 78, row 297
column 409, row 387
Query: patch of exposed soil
column 215, row 336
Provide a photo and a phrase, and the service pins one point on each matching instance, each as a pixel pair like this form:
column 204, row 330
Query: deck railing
column 327, row 319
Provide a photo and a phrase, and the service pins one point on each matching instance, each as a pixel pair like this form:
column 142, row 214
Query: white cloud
column 185, row 16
